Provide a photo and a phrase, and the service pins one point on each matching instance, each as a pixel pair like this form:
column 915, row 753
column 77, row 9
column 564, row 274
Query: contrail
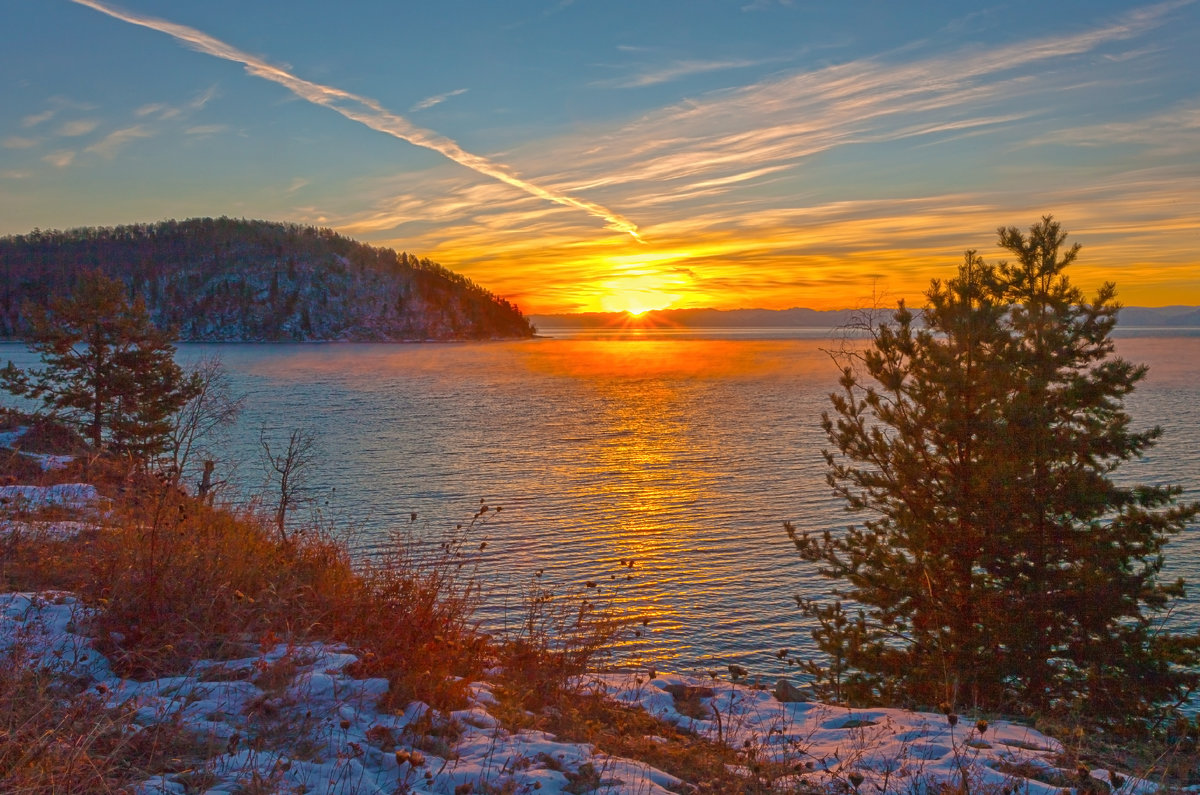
column 363, row 110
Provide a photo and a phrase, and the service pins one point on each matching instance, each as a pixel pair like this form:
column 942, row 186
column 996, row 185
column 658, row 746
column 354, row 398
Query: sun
column 635, row 299
column 634, row 302
column 640, row 285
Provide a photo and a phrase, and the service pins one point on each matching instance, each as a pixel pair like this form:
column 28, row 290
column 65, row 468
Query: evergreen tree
column 106, row 368
column 1003, row 566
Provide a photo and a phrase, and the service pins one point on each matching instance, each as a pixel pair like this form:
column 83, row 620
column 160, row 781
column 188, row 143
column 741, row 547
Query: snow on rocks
column 58, row 531
column 291, row 719
column 71, row 496
column 60, row 495
column 869, row 750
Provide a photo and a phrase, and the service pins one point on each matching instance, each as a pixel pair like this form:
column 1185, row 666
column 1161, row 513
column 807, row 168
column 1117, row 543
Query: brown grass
column 414, row 616
column 589, row 717
column 556, row 640
column 1170, row 758
column 179, row 580
column 57, row 738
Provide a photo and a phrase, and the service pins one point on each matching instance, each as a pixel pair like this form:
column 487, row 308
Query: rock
column 787, row 692
column 687, row 692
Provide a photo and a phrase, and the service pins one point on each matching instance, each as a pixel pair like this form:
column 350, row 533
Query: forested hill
column 236, row 280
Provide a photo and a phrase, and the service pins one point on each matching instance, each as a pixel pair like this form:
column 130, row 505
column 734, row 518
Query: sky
column 577, row 155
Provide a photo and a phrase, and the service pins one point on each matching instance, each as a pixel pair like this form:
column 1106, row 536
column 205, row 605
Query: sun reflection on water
column 681, row 453
column 651, row 454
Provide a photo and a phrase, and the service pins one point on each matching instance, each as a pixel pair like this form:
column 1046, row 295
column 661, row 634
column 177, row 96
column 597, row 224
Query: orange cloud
column 825, row 188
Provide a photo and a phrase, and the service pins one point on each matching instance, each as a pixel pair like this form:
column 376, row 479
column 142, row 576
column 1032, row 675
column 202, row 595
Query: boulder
column 787, row 692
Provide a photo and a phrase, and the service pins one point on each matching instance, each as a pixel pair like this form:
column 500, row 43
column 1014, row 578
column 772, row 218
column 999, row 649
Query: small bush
column 18, row 468
column 414, row 613
column 180, row 580
column 47, row 435
column 557, row 641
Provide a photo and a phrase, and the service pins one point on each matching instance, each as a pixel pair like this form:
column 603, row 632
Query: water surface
column 682, row 451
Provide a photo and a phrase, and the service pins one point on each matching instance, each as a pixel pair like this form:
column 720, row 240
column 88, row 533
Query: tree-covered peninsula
column 236, row 280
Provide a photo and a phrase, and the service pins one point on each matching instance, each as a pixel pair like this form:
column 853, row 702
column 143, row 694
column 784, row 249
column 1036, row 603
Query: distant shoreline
column 1167, row 318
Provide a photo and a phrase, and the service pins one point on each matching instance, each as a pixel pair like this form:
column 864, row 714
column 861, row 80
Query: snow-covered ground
column 327, row 735
column 61, row 495
column 293, row 719
column 830, row 747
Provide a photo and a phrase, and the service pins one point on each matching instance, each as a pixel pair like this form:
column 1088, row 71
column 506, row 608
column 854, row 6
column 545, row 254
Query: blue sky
column 588, row 155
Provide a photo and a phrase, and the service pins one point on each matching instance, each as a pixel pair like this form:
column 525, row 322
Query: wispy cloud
column 1172, row 132
column 19, row 142
column 111, row 143
column 364, row 110
column 151, row 109
column 790, row 118
column 436, row 99
column 60, row 159
column 736, row 185
column 164, row 111
column 207, row 129
column 57, row 104
column 74, row 129
column 35, row 119
column 677, row 71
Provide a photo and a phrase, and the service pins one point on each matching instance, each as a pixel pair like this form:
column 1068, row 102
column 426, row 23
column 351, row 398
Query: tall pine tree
column 1002, row 566
column 106, row 368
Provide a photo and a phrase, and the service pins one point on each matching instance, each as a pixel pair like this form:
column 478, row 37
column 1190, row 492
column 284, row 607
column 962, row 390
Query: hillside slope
column 236, row 280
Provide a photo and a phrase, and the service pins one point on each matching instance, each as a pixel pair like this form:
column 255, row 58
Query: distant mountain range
column 797, row 317
column 234, row 280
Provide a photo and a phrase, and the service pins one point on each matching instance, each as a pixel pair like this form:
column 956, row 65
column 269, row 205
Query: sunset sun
column 641, row 289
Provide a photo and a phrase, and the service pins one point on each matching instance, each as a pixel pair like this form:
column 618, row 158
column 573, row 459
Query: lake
column 682, row 451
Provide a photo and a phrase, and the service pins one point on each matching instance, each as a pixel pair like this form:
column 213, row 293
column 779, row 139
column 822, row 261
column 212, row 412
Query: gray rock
column 787, row 692
column 684, row 692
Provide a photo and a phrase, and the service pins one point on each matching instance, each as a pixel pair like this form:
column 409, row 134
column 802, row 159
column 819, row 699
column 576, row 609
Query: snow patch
column 291, row 717
column 60, row 495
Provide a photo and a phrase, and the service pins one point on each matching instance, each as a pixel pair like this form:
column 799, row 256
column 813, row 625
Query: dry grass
column 176, row 580
column 413, row 614
column 57, row 737
column 542, row 685
column 556, row 641
column 181, row 580
column 589, row 717
column 1170, row 758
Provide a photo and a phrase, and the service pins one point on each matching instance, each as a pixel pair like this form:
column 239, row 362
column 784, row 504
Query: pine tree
column 1003, row 566
column 106, row 368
